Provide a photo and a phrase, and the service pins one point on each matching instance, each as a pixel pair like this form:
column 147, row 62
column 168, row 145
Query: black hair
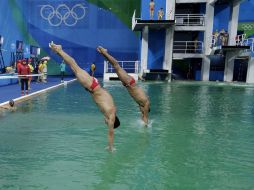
column 117, row 123
column 11, row 103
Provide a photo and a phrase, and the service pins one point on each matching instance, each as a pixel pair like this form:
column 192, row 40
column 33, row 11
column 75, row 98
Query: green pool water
column 200, row 137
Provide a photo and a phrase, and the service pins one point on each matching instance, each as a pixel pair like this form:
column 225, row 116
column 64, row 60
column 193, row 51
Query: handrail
column 190, row 19
column 133, row 20
column 190, row 14
column 240, row 39
column 249, row 42
column 128, row 66
column 194, row 47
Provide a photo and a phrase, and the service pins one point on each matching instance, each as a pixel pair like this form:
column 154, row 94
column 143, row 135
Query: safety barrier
column 190, row 19
column 195, row 47
column 131, row 67
column 128, row 66
column 239, row 39
column 249, row 42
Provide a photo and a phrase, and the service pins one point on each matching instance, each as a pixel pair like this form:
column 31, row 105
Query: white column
column 208, row 27
column 170, row 9
column 144, row 49
column 233, row 23
column 250, row 71
column 205, row 69
column 168, row 54
column 229, row 66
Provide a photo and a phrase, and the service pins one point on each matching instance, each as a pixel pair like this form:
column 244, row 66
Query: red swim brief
column 132, row 81
column 94, row 84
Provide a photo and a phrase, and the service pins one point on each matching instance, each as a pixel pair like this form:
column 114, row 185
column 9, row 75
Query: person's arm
column 110, row 120
column 145, row 114
column 145, row 110
column 111, row 138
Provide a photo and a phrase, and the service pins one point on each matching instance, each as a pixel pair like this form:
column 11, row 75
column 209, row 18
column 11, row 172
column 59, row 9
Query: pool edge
column 37, row 93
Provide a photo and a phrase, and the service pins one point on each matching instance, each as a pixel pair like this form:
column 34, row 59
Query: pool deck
column 13, row 92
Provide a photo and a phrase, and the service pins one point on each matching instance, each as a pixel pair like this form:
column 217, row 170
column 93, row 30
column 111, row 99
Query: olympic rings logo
column 247, row 26
column 63, row 14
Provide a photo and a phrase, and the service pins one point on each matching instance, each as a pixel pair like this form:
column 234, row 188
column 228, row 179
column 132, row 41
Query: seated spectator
column 9, row 70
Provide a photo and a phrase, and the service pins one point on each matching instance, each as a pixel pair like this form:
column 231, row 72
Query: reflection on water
column 201, row 137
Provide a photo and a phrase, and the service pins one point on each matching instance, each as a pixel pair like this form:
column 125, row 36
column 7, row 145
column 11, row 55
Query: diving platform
column 138, row 24
column 234, row 48
column 152, row 24
column 178, row 56
column 224, row 49
column 225, row 1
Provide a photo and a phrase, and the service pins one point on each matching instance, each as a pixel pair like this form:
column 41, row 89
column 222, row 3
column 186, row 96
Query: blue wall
column 21, row 20
column 9, row 30
column 221, row 17
column 222, row 14
column 24, row 20
column 246, row 11
column 156, row 43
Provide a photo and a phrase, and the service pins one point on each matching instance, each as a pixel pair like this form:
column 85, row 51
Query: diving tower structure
column 156, row 40
column 186, row 33
column 236, row 47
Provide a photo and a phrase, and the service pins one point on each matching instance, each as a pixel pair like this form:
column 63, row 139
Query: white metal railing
column 128, row 66
column 195, row 47
column 249, row 42
column 134, row 19
column 239, row 39
column 190, row 19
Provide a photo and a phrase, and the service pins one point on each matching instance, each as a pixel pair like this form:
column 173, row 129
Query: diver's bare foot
column 100, row 49
column 54, row 47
